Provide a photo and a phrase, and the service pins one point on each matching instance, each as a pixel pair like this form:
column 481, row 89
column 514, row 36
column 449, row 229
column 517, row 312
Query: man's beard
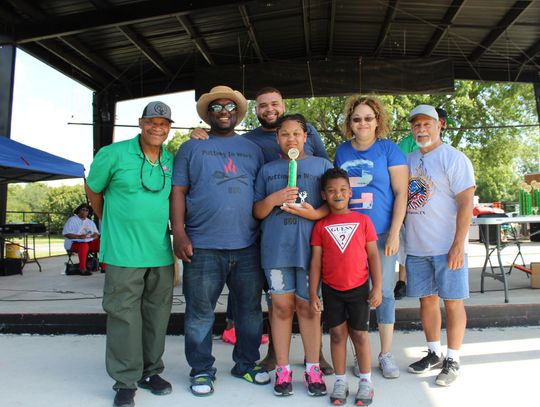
column 265, row 124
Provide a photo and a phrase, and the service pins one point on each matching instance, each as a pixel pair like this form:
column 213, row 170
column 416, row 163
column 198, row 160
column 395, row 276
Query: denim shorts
column 430, row 275
column 288, row 280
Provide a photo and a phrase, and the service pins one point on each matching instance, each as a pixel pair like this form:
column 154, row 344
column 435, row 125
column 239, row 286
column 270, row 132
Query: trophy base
column 286, row 204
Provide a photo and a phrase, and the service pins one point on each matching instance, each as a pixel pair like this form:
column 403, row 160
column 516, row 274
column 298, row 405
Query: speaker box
column 9, row 267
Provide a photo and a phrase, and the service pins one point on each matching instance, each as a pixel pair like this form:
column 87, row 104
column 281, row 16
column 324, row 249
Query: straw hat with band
column 222, row 92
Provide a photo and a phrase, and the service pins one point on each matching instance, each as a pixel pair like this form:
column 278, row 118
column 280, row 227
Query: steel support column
column 7, row 75
column 104, row 111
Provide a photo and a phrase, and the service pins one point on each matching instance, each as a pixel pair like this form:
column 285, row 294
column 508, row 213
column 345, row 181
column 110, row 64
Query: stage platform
column 50, row 302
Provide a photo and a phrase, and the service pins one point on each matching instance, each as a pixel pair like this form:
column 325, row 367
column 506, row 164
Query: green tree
column 176, row 141
column 500, row 156
column 60, row 203
column 26, row 198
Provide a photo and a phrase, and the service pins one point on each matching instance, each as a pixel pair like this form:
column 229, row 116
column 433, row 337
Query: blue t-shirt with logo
column 266, row 140
column 220, row 173
column 285, row 237
column 370, row 179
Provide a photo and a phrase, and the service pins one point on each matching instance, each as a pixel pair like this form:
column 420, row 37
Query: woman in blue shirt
column 379, row 179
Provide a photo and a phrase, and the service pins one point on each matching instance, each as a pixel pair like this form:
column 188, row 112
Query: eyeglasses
column 157, row 164
column 162, row 172
column 216, row 107
column 367, row 119
column 84, row 209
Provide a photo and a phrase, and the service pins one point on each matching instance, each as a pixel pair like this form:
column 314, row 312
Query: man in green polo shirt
column 129, row 186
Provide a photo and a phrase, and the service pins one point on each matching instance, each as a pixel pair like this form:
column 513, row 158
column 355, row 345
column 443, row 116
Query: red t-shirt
column 343, row 240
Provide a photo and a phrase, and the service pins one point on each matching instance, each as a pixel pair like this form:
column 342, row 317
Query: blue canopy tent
column 21, row 163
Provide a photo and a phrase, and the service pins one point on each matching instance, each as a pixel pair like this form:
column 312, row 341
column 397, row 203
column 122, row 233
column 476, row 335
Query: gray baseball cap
column 425, row 110
column 157, row 109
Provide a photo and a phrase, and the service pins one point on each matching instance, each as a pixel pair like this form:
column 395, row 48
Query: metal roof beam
column 146, row 49
column 94, row 58
column 530, row 53
column 305, row 9
column 442, row 29
column 251, row 32
column 194, row 36
column 28, row 8
column 385, row 29
column 116, row 16
column 506, row 22
column 76, row 62
column 331, row 28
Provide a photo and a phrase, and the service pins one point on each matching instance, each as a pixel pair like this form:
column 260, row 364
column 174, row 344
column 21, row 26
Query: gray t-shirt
column 220, row 173
column 285, row 237
column 435, row 179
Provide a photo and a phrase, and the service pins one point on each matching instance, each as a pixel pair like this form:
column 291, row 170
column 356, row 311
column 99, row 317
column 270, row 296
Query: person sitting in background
column 82, row 235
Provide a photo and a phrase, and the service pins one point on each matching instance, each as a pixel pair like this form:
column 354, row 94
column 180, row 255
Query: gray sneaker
column 449, row 373
column 428, row 362
column 387, row 365
column 340, row 393
column 364, row 395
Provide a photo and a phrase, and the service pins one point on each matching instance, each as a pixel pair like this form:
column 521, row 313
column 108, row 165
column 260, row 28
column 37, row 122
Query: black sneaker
column 428, row 362
column 449, row 372
column 124, row 398
column 156, row 385
column 400, row 290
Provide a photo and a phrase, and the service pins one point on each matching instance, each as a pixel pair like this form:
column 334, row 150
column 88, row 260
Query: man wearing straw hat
column 216, row 235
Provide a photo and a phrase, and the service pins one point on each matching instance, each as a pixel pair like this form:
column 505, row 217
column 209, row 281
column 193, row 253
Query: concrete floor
column 498, row 364
column 53, row 292
column 499, row 367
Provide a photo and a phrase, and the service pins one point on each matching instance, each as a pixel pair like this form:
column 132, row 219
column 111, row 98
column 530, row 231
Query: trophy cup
column 293, row 172
column 293, row 166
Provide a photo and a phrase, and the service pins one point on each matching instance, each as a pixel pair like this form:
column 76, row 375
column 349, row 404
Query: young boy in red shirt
column 344, row 254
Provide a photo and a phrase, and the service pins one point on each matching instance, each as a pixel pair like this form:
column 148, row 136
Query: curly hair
column 86, row 206
column 383, row 119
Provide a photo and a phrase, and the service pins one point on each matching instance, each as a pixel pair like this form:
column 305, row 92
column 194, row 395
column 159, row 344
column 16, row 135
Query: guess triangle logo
column 342, row 233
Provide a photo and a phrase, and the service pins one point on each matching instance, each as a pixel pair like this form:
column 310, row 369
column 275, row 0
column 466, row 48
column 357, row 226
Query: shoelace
column 314, row 375
column 364, row 390
column 386, row 361
column 426, row 359
column 340, row 388
column 448, row 364
column 283, row 376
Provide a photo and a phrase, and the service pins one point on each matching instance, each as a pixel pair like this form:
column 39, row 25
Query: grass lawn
column 43, row 249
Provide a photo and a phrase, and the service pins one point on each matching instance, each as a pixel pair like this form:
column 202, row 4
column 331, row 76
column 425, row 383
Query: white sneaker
column 387, row 365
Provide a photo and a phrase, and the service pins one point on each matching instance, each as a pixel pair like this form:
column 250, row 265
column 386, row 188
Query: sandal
column 203, row 380
column 256, row 375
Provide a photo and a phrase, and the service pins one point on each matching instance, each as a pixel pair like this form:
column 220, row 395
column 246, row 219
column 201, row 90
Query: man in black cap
column 129, row 186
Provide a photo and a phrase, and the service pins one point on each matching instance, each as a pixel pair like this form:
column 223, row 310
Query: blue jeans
column 204, row 279
column 386, row 312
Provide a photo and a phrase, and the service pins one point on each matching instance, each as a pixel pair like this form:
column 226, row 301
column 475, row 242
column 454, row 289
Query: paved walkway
column 499, row 368
column 53, row 292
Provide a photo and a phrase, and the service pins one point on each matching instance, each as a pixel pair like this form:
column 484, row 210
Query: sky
column 45, row 101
